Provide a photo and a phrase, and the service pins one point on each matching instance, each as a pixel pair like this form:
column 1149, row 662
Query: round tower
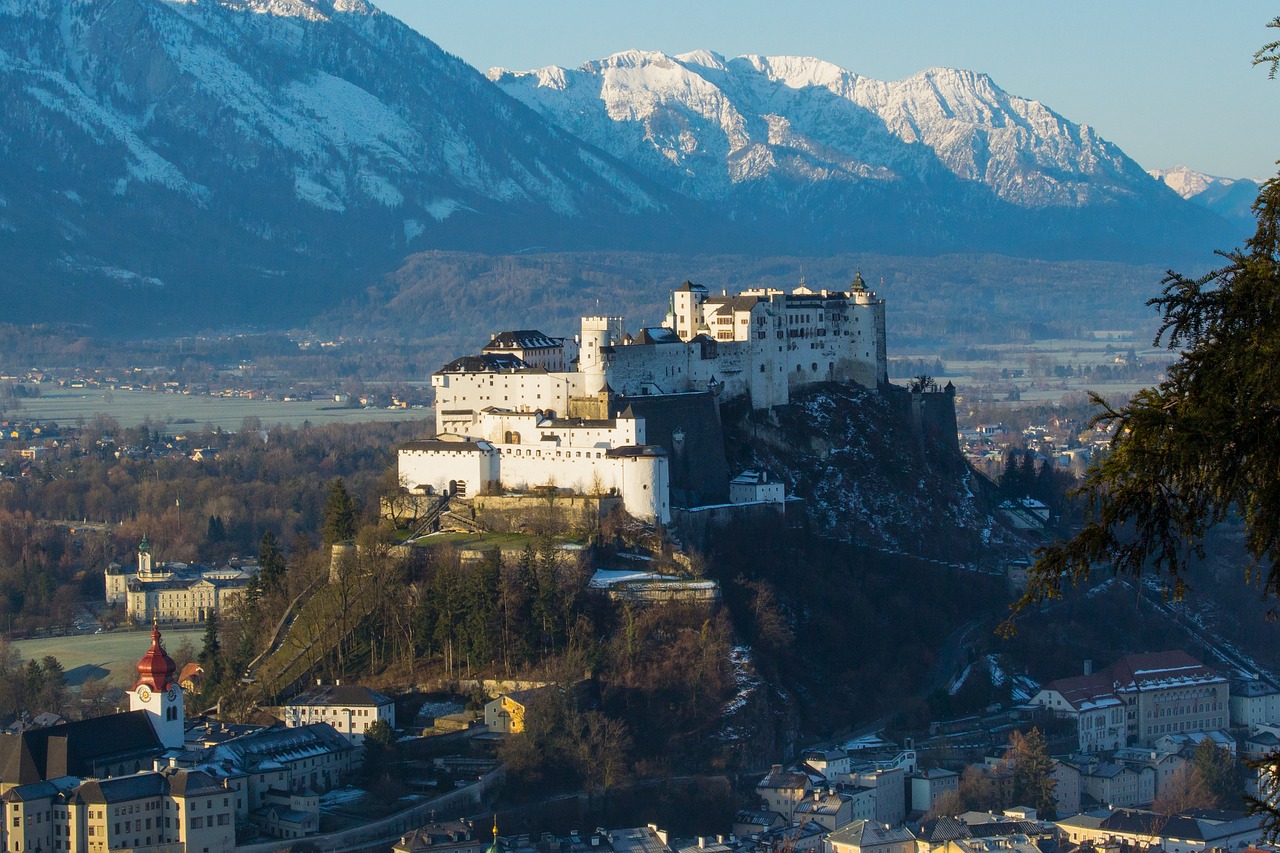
column 597, row 333
column 157, row 692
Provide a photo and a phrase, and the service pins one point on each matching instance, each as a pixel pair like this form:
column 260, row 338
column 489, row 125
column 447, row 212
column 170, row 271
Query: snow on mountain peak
column 711, row 124
column 704, row 58
column 1187, row 182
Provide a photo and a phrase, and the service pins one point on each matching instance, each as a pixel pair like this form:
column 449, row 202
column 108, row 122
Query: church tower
column 144, row 557
column 157, row 692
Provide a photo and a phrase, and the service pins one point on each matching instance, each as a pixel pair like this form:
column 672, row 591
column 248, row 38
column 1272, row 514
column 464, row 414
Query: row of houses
column 1015, row 831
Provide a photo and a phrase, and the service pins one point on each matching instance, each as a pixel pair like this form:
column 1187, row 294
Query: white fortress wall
column 521, row 390
column 435, row 465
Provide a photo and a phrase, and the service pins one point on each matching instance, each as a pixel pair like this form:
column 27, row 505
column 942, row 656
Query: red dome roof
column 156, row 668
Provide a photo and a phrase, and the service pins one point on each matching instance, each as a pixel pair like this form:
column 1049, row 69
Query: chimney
column 1088, row 667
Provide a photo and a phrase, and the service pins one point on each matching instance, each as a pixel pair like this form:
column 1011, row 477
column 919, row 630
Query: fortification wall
column 543, row 513
column 698, row 471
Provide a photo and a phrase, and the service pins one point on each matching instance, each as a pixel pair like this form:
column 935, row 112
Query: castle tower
column 157, row 692
column 597, row 333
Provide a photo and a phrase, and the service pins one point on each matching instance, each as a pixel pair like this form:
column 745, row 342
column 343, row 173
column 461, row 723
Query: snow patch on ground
column 442, row 209
column 413, row 229
column 747, row 683
column 308, row 190
column 955, row 686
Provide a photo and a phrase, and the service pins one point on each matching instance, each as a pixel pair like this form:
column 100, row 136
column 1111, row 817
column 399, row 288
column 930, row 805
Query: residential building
column 1110, row 783
column 829, row 809
column 868, row 836
column 504, row 714
column 1254, row 702
column 1188, row 832
column 454, row 836
column 756, row 487
column 1140, row 698
column 172, row 809
column 754, row 821
column 782, row 791
column 350, row 709
column 928, row 785
column 889, row 785
column 1067, row 787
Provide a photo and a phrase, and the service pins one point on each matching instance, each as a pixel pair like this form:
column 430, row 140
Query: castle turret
column 597, row 333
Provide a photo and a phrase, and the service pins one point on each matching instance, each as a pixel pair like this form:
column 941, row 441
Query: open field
column 1029, row 367
column 176, row 412
column 113, row 655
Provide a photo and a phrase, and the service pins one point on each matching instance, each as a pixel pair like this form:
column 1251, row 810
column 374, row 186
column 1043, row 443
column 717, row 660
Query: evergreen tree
column 1011, row 480
column 271, row 562
column 1033, row 783
column 339, row 514
column 211, row 653
column 1217, row 768
column 54, row 687
column 1202, row 446
column 33, row 687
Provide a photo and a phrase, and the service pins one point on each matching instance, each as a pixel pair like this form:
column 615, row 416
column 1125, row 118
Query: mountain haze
column 1230, row 198
column 286, row 144
column 188, row 163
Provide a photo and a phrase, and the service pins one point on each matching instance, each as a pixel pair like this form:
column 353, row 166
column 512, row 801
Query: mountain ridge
column 169, row 163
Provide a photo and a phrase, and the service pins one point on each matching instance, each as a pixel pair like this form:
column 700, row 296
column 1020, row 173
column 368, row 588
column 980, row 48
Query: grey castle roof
column 340, row 695
column 450, row 446
column 523, row 339
column 486, row 363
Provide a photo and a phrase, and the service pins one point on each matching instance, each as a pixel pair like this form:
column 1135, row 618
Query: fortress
column 617, row 413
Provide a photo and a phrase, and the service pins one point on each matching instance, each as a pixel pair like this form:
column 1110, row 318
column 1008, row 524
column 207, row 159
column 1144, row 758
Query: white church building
column 501, row 419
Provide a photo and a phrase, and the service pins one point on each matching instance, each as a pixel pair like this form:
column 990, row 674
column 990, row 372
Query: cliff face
column 873, row 473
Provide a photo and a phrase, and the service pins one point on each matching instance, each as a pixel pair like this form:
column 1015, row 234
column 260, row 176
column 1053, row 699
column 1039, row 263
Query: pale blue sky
column 1170, row 82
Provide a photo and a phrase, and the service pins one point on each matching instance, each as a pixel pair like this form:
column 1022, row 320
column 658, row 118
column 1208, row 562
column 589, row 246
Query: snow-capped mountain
column 199, row 161
column 944, row 144
column 1231, row 198
column 711, row 124
column 164, row 141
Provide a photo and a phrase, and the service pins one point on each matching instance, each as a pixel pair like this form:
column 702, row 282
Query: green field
column 113, row 656
column 177, row 412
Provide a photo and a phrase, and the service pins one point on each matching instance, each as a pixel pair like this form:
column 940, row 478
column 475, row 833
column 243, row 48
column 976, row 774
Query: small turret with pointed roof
column 858, row 285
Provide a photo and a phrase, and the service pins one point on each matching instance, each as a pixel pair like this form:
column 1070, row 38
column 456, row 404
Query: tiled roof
column 523, row 339
column 344, row 695
column 486, row 363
